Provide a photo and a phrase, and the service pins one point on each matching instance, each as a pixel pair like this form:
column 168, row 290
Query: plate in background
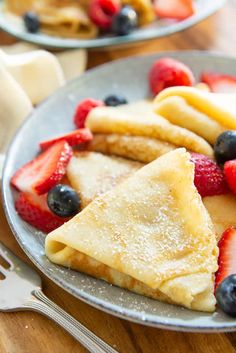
column 161, row 28
column 54, row 116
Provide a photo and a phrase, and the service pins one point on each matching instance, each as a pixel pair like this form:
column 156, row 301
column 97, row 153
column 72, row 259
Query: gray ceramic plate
column 53, row 117
column 160, row 29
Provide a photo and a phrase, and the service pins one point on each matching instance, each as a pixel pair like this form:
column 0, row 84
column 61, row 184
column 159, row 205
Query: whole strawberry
column 168, row 72
column 208, row 178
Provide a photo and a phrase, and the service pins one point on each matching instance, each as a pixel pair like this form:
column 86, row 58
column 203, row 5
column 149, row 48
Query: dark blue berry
column 226, row 295
column 113, row 100
column 63, row 201
column 225, row 147
column 125, row 21
column 31, row 21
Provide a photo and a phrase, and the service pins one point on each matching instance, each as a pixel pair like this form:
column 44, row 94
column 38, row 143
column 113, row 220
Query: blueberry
column 63, row 201
column 31, row 21
column 125, row 21
column 114, row 100
column 226, row 295
column 225, row 146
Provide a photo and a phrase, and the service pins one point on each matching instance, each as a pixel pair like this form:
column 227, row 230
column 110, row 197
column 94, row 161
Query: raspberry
column 230, row 174
column 101, row 12
column 209, row 178
column 82, row 110
column 168, row 72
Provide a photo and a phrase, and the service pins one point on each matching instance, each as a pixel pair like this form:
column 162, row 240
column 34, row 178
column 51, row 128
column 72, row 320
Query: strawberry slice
column 34, row 210
column 73, row 138
column 208, row 177
column 176, row 9
column 45, row 171
column 227, row 258
column 230, row 174
column 219, row 83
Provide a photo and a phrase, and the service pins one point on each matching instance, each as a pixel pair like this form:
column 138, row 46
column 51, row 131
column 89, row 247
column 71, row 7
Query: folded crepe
column 150, row 234
column 176, row 110
column 208, row 111
column 92, row 174
column 62, row 18
column 123, row 121
column 137, row 148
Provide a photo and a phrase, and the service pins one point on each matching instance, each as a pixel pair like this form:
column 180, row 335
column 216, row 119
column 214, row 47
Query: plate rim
column 60, row 43
column 87, row 298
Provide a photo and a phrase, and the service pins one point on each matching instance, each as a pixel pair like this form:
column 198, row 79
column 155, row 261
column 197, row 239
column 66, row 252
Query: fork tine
column 3, row 270
column 8, row 255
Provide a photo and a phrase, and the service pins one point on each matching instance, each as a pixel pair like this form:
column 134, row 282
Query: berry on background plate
column 176, row 9
column 101, row 12
column 124, row 21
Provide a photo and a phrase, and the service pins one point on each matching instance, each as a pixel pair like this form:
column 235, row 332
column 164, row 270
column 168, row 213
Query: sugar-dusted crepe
column 216, row 106
column 222, row 209
column 150, row 234
column 92, row 174
column 138, row 148
column 109, row 120
column 179, row 112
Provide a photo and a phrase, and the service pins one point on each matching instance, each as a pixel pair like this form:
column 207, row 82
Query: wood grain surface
column 27, row 332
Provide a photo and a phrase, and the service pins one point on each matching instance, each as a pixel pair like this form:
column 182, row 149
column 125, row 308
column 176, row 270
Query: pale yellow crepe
column 62, row 18
column 179, row 112
column 137, row 148
column 222, row 209
column 151, row 234
column 109, row 120
column 217, row 106
column 92, row 174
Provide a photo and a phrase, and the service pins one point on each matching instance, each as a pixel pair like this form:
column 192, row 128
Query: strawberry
column 34, row 210
column 227, row 258
column 168, row 72
column 101, row 12
column 209, row 178
column 219, row 83
column 230, row 174
column 72, row 138
column 176, row 9
column 82, row 110
column 45, row 171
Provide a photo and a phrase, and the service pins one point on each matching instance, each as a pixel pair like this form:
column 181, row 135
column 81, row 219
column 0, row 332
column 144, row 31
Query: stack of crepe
column 62, row 18
column 144, row 227
column 69, row 18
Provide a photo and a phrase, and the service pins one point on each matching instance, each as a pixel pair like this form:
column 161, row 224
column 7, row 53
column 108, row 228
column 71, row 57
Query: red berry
column 219, row 83
column 73, row 138
column 101, row 12
column 177, row 9
column 230, row 174
column 227, row 258
column 168, row 72
column 45, row 171
column 34, row 210
column 208, row 178
column 82, row 110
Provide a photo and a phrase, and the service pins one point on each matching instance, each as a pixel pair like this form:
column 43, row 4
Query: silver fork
column 20, row 289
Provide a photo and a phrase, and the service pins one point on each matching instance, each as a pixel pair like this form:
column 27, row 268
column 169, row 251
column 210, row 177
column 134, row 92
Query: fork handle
column 89, row 340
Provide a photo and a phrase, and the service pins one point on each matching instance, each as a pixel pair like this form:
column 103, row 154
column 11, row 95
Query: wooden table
column 26, row 332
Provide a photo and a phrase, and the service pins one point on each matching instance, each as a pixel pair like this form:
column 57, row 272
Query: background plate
column 54, row 116
column 159, row 29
